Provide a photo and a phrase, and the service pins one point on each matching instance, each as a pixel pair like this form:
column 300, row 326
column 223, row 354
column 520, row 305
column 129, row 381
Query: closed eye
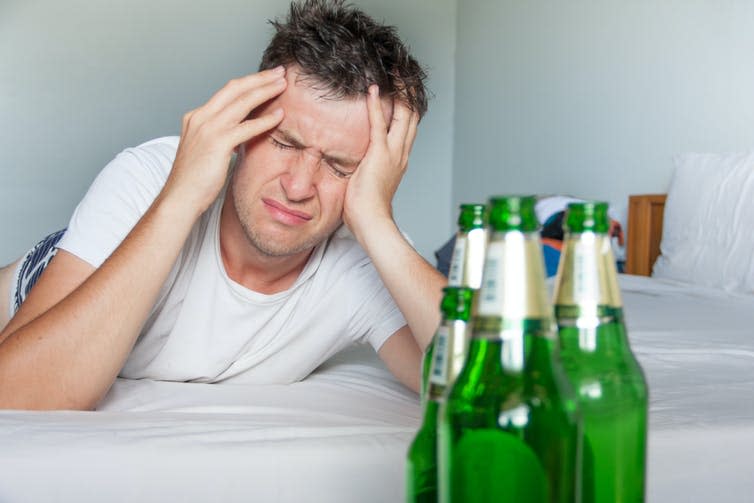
column 332, row 166
column 337, row 172
column 281, row 145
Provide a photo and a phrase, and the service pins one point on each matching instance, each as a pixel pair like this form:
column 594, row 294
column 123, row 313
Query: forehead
column 320, row 122
column 330, row 125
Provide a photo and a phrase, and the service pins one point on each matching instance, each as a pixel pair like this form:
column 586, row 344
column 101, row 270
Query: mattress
column 338, row 436
column 696, row 346
column 341, row 435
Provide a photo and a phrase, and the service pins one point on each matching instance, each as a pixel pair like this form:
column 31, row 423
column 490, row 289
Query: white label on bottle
column 585, row 274
column 439, row 374
column 455, row 275
column 490, row 296
column 477, row 243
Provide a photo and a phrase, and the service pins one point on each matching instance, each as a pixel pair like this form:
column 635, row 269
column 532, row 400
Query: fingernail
column 374, row 90
column 279, row 69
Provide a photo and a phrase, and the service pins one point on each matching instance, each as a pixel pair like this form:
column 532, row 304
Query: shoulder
column 144, row 167
column 165, row 146
column 345, row 264
column 344, row 250
column 158, row 153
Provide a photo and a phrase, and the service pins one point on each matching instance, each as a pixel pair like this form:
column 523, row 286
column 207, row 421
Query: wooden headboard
column 644, row 232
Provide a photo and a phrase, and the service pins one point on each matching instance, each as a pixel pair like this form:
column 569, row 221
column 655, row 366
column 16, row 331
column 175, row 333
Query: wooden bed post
column 645, row 214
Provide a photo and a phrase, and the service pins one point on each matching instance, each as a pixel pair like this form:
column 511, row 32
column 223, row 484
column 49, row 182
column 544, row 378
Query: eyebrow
column 294, row 141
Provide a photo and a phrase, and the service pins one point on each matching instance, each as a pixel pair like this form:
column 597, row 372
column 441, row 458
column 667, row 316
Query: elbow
column 29, row 398
column 44, row 404
column 23, row 386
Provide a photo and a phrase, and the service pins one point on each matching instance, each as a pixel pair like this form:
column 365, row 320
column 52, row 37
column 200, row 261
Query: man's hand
column 211, row 133
column 371, row 189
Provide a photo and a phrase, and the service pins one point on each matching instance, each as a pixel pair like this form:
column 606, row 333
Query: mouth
column 285, row 215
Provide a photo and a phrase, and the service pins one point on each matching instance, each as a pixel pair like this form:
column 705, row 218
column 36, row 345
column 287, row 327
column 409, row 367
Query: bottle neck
column 587, row 282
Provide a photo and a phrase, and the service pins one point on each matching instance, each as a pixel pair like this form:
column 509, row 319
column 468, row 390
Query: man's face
column 290, row 183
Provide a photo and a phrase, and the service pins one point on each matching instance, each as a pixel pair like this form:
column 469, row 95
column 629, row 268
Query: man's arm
column 413, row 283
column 402, row 357
column 72, row 335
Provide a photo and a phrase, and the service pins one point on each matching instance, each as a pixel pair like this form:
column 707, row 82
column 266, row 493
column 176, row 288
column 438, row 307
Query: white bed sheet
column 342, row 434
column 338, row 436
column 696, row 346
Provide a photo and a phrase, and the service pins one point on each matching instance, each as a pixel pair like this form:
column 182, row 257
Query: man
column 175, row 268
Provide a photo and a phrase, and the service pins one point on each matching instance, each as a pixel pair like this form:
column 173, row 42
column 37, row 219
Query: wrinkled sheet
column 696, row 346
column 341, row 435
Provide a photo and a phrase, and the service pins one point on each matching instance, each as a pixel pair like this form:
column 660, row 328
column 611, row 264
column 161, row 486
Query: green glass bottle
column 466, row 264
column 608, row 380
column 509, row 429
column 421, row 465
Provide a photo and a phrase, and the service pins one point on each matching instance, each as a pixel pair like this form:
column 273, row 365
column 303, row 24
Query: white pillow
column 707, row 236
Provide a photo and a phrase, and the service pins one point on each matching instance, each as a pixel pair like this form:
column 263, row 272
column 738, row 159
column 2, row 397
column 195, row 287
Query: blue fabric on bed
column 33, row 265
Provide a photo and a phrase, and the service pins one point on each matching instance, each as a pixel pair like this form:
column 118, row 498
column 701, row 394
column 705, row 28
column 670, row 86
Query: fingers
column 399, row 127
column 237, row 110
column 413, row 127
column 222, row 117
column 239, row 87
column 399, row 138
column 254, row 127
column 402, row 132
column 377, row 126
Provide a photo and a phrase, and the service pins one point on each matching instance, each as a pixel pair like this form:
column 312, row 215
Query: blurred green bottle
column 606, row 377
column 466, row 266
column 421, row 464
column 509, row 429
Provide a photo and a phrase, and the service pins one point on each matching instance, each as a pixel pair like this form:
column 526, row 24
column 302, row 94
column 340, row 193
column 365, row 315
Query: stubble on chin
column 269, row 245
column 274, row 248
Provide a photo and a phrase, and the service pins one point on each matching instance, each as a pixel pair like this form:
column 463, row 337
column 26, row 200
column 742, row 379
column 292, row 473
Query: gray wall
column 593, row 98
column 82, row 79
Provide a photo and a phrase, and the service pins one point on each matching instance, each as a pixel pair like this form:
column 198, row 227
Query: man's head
column 342, row 51
column 289, row 185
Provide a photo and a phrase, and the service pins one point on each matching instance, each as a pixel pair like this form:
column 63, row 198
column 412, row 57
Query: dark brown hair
column 343, row 51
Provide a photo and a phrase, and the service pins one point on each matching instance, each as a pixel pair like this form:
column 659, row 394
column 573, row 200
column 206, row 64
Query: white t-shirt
column 204, row 326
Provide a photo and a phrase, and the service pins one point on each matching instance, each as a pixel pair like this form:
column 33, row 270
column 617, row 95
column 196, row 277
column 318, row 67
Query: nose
column 299, row 180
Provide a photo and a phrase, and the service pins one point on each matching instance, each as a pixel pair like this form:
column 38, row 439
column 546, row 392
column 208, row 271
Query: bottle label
column 585, row 273
column 513, row 279
column 490, row 296
column 439, row 374
column 455, row 274
column 474, row 265
column 587, row 278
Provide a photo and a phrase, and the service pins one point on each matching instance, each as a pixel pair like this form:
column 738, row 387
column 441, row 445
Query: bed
column 341, row 435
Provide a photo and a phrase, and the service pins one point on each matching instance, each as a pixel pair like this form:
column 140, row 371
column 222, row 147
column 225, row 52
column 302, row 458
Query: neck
column 247, row 265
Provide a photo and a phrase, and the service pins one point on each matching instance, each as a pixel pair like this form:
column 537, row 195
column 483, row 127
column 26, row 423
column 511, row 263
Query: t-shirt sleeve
column 376, row 316
column 116, row 200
